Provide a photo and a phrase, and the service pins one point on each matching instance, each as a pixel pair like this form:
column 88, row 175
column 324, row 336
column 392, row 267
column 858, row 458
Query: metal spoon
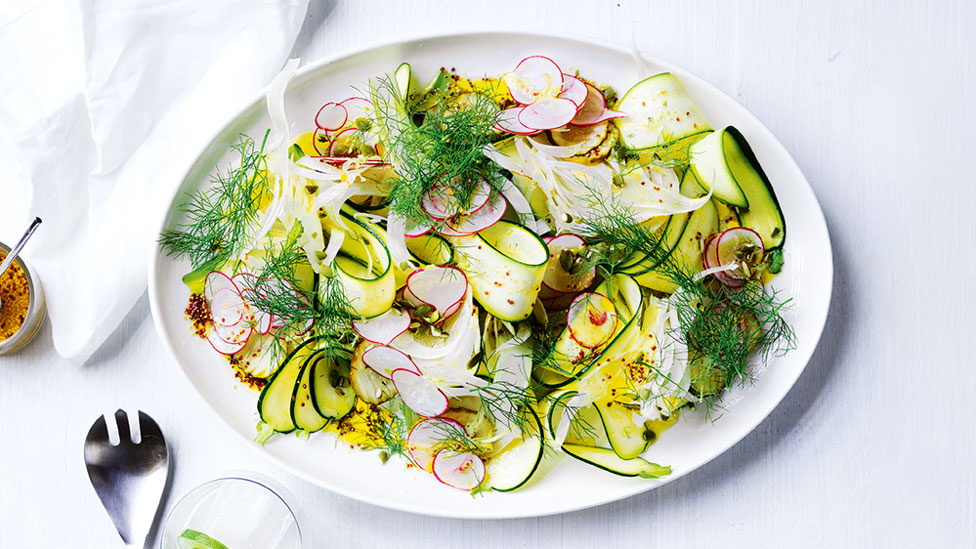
column 16, row 250
column 129, row 478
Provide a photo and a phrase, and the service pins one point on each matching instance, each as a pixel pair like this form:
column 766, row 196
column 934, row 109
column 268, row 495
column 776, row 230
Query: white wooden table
column 874, row 446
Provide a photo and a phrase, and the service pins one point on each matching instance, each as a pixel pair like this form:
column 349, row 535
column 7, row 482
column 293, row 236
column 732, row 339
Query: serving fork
column 129, row 477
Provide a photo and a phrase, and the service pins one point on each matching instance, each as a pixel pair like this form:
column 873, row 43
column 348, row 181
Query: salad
column 477, row 276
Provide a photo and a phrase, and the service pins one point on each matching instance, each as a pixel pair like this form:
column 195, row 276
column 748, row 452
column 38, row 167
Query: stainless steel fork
column 128, row 477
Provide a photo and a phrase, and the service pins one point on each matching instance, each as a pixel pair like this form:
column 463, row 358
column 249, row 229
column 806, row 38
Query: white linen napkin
column 103, row 107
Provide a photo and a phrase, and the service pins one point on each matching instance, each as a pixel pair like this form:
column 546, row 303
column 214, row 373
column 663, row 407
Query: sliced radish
column 479, row 197
column 710, row 262
column 480, row 220
column 575, row 90
column 215, row 282
column 222, row 346
column 439, row 287
column 566, row 240
column 227, row 307
column 464, row 471
column 344, row 159
column 556, row 277
column 442, row 201
column 315, row 140
column 348, row 133
column 245, row 282
column 419, row 393
column 385, row 360
column 508, row 122
column 276, row 322
column 592, row 319
column 237, row 334
column 419, row 229
column 426, row 438
column 742, row 246
column 453, row 309
column 709, row 255
column 384, row 328
column 331, row 117
column 534, row 77
column 357, row 106
column 594, row 109
column 548, row 113
column 263, row 322
column 439, row 202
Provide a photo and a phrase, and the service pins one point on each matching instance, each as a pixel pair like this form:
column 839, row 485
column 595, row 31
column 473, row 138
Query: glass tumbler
column 238, row 511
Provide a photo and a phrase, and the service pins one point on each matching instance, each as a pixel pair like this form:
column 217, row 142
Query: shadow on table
column 318, row 12
column 117, row 340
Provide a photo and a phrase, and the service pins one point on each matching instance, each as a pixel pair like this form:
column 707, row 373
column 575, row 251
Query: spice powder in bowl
column 21, row 305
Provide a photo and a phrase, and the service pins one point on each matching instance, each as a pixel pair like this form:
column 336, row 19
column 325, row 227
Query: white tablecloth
column 875, row 444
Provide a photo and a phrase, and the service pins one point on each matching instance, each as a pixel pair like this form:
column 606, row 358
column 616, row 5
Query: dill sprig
column 722, row 325
column 504, row 400
column 219, row 220
column 280, row 293
column 441, row 154
column 394, row 431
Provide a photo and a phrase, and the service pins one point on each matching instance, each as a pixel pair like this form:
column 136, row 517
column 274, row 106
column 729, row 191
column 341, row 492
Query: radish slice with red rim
column 534, row 77
column 237, row 334
column 384, row 328
column 575, row 90
column 357, row 107
column 548, row 113
column 709, row 257
column 385, row 360
column 741, row 246
column 453, row 309
column 565, row 240
column 427, row 436
column 439, row 202
column 222, row 346
column 419, row 229
column 315, row 141
column 245, row 282
column 347, row 133
column 439, row 287
column 442, row 202
column 419, row 393
column 591, row 319
column 594, row 109
column 508, row 122
column 461, row 470
column 480, row 220
column 331, row 116
column 479, row 197
column 607, row 114
column 263, row 322
column 276, row 321
column 215, row 282
column 343, row 159
column 227, row 307
column 556, row 277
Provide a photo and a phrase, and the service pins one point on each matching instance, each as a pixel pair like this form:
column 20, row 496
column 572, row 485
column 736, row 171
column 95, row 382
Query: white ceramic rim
column 800, row 184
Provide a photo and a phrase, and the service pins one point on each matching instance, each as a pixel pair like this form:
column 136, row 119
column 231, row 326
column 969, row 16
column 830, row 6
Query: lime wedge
column 192, row 539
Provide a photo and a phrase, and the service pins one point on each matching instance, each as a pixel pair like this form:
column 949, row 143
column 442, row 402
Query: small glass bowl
column 36, row 309
column 242, row 510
